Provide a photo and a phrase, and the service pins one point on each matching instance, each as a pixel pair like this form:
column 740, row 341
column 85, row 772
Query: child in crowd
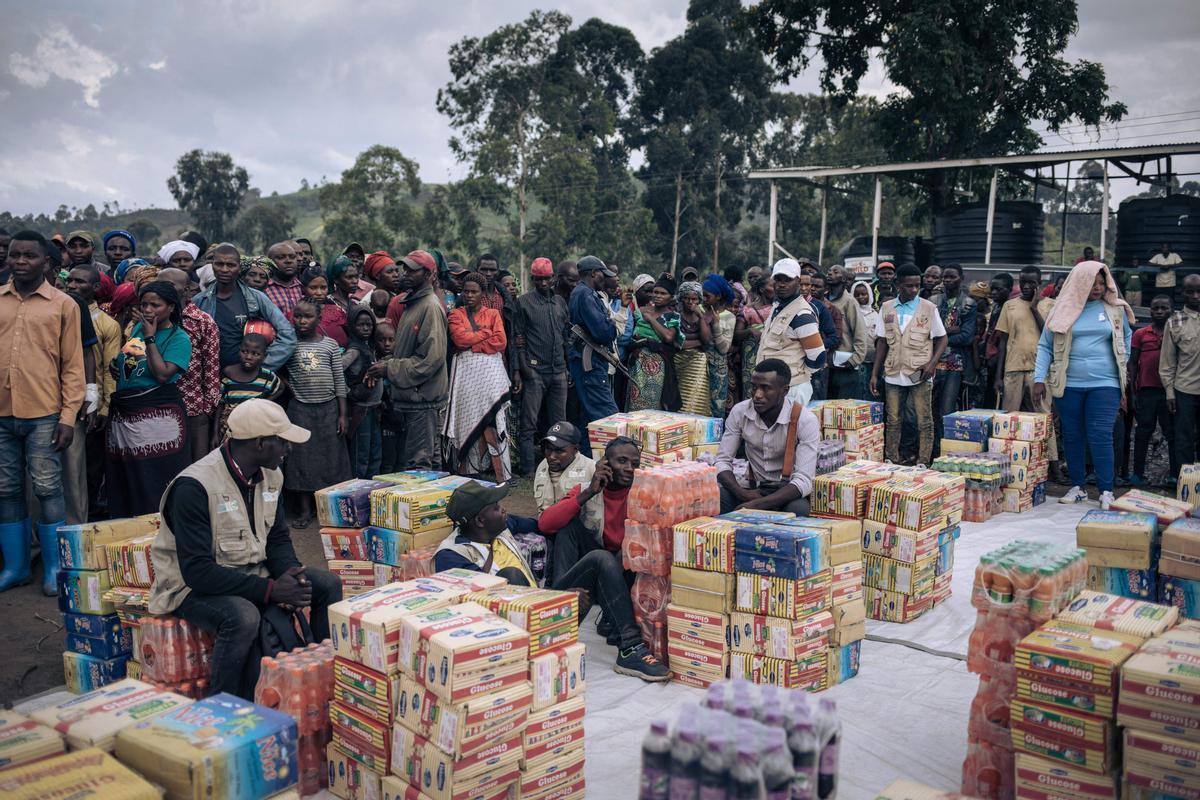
column 246, row 380
column 390, row 423
column 332, row 320
column 1149, row 396
column 379, row 302
column 364, row 394
column 318, row 404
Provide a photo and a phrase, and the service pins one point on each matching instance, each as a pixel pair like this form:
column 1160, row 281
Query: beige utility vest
column 1056, row 380
column 908, row 350
column 235, row 543
column 776, row 341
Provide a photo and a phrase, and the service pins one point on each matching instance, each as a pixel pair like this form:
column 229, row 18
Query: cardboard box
column 1187, row 486
column 899, row 576
column 706, row 591
column 842, row 663
column 555, row 779
column 387, row 546
column 850, row 613
column 93, row 719
column 464, row 728
column 559, row 674
column 704, row 543
column 85, row 773
column 1182, row 593
column 1062, row 734
column 348, row 779
column 1165, row 508
column 1045, row 779
column 550, row 617
column 366, row 628
column 82, row 591
column 411, row 477
column 1181, row 549
column 82, row 546
column 806, row 674
column 900, row 544
column 1148, row 750
column 1156, row 783
column 348, row 544
column 949, row 446
column 1139, row 584
column 847, row 634
column 410, row 510
column 780, row 638
column 346, row 504
column 1111, row 613
column 1120, row 538
column 891, row 606
column 1026, row 427
column 1164, row 670
column 113, row 644
column 1021, row 452
column 22, row 740
column 781, row 597
column 365, row 690
column 365, row 739
column 441, row 777
column 1075, row 653
column 128, row 562
column 549, row 723
column 83, row 673
column 462, row 655
column 222, row 746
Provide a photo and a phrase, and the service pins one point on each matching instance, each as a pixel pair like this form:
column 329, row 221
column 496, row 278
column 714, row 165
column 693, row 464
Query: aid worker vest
column 908, row 350
column 776, row 341
column 236, row 545
column 1056, row 381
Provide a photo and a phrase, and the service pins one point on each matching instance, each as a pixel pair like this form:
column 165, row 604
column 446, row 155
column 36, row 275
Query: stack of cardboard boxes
column 857, row 423
column 1179, row 567
column 98, row 646
column 1023, row 438
column 1159, row 707
column 965, row 432
column 1122, row 552
column 665, row 437
column 702, row 586
column 343, row 512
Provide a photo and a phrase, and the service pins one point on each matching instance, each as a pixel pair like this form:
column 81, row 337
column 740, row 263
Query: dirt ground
column 35, row 633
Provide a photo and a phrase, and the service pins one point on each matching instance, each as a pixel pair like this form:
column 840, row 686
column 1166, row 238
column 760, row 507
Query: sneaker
column 640, row 663
column 1090, row 479
column 1121, row 480
column 1106, row 500
column 1135, row 479
column 1074, row 495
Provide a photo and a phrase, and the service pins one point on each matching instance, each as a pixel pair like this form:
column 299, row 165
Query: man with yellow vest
column 910, row 340
column 224, row 552
column 792, row 333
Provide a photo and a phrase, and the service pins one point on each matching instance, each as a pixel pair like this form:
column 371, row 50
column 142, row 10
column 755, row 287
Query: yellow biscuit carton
column 22, row 740
column 89, row 773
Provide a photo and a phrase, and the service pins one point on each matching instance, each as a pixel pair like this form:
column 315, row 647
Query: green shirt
column 133, row 370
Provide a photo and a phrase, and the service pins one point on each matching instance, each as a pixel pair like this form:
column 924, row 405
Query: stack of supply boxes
column 1064, row 714
column 666, row 437
column 901, row 534
column 965, row 432
column 857, row 423
column 1016, row 588
column 63, row 775
column 1179, row 567
column 98, row 646
column 660, row 498
column 1159, row 706
column 343, row 511
column 702, row 590
column 22, row 740
column 1122, row 551
column 94, row 719
column 1023, row 438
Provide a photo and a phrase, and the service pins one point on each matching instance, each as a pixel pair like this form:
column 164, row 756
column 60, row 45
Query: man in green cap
column 480, row 541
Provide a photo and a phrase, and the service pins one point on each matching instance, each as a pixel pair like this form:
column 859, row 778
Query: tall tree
column 972, row 76
column 374, row 201
column 494, row 102
column 704, row 99
column 263, row 224
column 210, row 187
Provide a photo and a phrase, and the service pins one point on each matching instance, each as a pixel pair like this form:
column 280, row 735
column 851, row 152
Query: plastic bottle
column 266, row 691
column 805, row 749
column 312, row 766
column 685, row 765
column 831, row 731
column 745, row 778
column 313, row 702
column 777, row 769
column 714, row 770
column 656, row 763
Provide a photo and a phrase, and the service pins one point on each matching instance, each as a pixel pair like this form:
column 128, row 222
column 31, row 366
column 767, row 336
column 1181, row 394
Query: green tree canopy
column 263, row 224
column 210, row 187
column 374, row 201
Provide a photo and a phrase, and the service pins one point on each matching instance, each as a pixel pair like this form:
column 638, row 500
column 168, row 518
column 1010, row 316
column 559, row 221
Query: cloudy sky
column 99, row 99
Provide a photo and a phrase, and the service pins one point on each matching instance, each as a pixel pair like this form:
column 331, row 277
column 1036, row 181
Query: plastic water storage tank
column 1018, row 232
column 1144, row 224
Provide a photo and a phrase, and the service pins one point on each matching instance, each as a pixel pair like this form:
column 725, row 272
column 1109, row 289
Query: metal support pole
column 1062, row 252
column 771, row 225
column 987, row 253
column 1104, row 214
column 875, row 225
column 824, row 220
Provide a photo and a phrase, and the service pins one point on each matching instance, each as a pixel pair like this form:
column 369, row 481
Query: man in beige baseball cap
column 224, row 552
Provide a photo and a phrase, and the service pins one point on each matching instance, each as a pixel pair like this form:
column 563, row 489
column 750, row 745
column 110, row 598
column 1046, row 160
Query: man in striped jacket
column 792, row 334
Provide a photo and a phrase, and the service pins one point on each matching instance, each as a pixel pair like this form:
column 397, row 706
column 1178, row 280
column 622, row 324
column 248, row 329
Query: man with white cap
column 792, row 334
column 224, row 552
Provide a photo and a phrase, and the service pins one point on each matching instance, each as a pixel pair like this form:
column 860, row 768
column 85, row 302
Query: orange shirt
column 486, row 336
column 41, row 355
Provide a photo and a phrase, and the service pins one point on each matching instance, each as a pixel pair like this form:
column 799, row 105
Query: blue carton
column 111, row 645
column 975, row 421
column 946, row 539
column 347, row 504
column 963, row 435
column 92, row 624
column 220, row 747
column 771, row 565
column 1182, row 593
column 810, row 545
column 1137, row 584
column 384, row 545
column 83, row 673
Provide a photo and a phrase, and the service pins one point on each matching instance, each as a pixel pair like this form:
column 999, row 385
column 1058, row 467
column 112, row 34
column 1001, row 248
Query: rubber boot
column 15, row 545
column 48, row 536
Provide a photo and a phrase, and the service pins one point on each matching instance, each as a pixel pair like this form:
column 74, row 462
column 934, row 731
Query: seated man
column 224, row 552
column 597, row 573
column 563, row 469
column 780, row 438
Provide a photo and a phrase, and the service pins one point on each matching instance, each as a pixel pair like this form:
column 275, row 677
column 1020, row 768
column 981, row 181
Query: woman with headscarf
column 1082, row 356
column 864, row 297
column 750, row 322
column 147, row 444
column 691, row 363
column 342, row 276
column 656, row 339
column 136, row 273
column 256, row 271
column 180, row 255
column 641, row 288
column 718, row 298
column 118, row 246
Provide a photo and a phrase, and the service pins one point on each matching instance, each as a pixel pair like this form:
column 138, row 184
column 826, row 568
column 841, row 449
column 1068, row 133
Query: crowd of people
column 124, row 374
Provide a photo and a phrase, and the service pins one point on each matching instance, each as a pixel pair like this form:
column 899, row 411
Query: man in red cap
column 540, row 326
column 417, row 369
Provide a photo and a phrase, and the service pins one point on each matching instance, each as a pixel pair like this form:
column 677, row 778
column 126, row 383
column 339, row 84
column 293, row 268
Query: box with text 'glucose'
column 463, row 728
column 558, row 675
column 348, row 779
column 366, row 628
column 85, row 773
column 443, row 777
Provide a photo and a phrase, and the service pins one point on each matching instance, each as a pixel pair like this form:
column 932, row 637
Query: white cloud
column 158, row 65
column 59, row 55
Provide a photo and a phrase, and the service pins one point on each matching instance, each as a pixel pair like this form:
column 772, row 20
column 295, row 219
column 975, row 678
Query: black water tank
column 1018, row 230
column 1144, row 224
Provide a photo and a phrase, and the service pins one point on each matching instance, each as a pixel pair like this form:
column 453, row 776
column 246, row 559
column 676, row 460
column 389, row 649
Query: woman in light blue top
column 1081, row 357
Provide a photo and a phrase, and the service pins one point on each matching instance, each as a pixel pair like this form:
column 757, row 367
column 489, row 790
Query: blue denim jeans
column 947, row 386
column 1088, row 417
column 366, row 445
column 27, row 447
column 595, row 397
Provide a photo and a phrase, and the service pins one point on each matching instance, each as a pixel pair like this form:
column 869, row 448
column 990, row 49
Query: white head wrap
column 171, row 248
